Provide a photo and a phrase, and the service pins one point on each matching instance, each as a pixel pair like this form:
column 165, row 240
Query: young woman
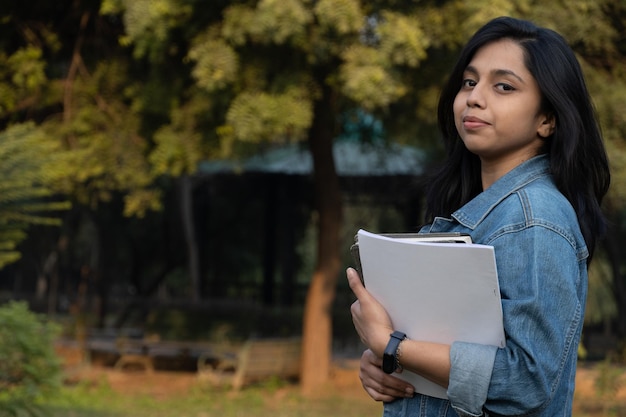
column 526, row 171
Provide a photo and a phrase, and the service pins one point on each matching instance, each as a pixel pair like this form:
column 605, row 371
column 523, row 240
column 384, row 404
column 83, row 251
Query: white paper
column 434, row 292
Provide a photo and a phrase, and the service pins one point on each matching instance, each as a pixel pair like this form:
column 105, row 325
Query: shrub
column 29, row 366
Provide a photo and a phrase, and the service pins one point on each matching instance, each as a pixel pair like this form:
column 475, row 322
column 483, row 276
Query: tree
column 276, row 72
column 80, row 100
column 29, row 165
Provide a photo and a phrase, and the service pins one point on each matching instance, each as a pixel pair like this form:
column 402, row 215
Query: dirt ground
column 344, row 379
column 165, row 384
column 162, row 384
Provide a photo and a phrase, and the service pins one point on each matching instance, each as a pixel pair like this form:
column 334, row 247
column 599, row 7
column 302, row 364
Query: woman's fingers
column 370, row 319
column 354, row 281
column 379, row 385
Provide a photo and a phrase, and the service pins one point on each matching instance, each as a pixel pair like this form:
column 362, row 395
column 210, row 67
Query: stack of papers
column 434, row 292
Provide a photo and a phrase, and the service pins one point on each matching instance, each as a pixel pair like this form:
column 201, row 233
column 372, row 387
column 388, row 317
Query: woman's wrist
column 381, row 343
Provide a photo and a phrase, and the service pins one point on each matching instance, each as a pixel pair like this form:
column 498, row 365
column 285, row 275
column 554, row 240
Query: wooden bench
column 256, row 360
column 125, row 353
column 107, row 346
column 133, row 354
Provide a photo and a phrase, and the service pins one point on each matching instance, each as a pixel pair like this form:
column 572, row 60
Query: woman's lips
column 472, row 122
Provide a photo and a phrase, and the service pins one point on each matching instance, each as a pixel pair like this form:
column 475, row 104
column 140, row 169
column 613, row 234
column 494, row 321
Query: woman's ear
column 547, row 126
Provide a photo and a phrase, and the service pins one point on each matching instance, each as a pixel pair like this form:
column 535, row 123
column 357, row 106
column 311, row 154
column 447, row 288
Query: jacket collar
column 472, row 213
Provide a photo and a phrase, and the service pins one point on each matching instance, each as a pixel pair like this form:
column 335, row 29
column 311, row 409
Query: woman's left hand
column 379, row 385
column 370, row 318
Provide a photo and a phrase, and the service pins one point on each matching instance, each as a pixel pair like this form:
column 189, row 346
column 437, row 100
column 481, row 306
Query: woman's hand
column 379, row 385
column 372, row 323
column 370, row 318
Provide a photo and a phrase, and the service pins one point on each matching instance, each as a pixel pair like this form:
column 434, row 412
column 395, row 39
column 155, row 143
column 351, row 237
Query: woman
column 526, row 171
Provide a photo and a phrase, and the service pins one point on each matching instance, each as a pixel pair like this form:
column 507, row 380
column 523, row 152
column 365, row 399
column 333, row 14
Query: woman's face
column 497, row 110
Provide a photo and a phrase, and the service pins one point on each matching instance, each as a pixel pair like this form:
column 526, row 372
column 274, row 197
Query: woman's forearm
column 430, row 360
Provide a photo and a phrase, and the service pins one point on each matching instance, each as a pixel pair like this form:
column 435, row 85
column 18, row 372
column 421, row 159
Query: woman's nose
column 475, row 97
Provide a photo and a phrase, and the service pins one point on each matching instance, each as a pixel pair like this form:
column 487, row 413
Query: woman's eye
column 468, row 83
column 505, row 87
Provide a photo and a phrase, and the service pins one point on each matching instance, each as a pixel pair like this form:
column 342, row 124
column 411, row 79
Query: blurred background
column 195, row 171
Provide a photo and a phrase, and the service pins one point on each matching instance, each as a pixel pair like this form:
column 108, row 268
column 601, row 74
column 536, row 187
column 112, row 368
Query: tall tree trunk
column 270, row 245
column 317, row 328
column 614, row 251
column 187, row 217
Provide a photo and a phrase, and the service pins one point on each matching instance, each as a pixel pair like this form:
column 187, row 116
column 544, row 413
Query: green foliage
column 30, row 369
column 105, row 152
column 21, row 74
column 342, row 17
column 262, row 65
column 608, row 89
column 217, row 63
column 179, row 146
column 279, row 21
column 259, row 116
column 402, row 40
column 182, row 144
column 148, row 24
column 583, row 23
column 274, row 57
column 365, row 79
column 29, row 165
column 601, row 306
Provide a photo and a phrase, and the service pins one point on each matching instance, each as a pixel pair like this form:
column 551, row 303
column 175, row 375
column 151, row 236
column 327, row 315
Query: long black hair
column 578, row 160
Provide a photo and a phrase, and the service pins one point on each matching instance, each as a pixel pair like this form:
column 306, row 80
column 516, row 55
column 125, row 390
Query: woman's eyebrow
column 502, row 72
column 498, row 72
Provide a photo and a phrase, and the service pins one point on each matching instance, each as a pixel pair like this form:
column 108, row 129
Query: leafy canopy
column 30, row 164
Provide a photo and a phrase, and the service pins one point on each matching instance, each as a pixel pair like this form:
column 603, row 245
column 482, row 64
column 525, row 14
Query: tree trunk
column 317, row 326
column 270, row 245
column 193, row 257
column 612, row 247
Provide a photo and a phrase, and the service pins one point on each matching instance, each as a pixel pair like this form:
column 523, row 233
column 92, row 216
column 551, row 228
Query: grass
column 110, row 394
column 274, row 398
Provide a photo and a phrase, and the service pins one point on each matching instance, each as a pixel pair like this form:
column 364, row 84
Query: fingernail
column 409, row 392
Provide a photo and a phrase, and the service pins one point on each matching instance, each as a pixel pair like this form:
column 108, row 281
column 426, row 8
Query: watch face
column 389, row 356
column 389, row 363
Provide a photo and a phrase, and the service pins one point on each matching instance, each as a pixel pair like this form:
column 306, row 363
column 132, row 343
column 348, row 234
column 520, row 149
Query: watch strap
column 390, row 363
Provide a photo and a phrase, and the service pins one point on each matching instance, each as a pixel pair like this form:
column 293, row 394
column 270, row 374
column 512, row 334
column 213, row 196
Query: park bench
column 132, row 354
column 106, row 346
column 145, row 354
column 123, row 351
column 257, row 359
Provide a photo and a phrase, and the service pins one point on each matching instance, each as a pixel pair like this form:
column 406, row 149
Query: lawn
column 251, row 403
column 160, row 394
column 601, row 391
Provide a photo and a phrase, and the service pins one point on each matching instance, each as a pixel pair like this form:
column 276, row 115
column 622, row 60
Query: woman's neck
column 492, row 170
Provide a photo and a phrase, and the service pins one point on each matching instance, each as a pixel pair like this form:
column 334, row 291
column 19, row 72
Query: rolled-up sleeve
column 470, row 375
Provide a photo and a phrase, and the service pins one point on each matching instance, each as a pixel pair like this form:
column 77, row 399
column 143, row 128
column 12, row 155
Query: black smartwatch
column 390, row 364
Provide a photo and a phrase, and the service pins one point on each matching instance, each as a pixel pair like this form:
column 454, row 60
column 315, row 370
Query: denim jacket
column 541, row 260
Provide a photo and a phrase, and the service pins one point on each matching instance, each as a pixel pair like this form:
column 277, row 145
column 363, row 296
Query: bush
column 29, row 366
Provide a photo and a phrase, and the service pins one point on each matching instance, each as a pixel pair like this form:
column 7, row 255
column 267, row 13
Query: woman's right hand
column 379, row 385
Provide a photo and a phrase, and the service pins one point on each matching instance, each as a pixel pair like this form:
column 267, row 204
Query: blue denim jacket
column 541, row 259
